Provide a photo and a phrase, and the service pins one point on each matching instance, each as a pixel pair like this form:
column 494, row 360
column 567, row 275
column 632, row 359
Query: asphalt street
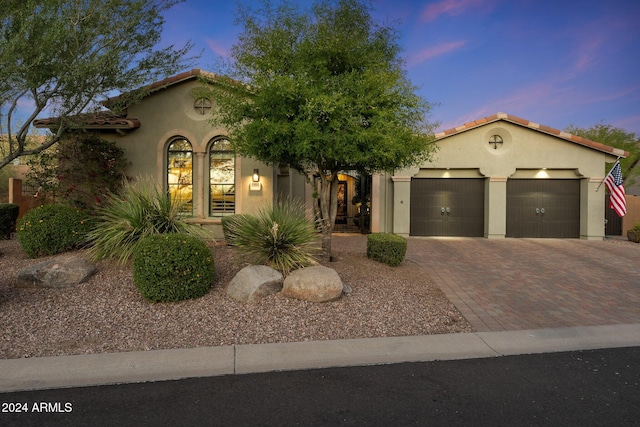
column 581, row 388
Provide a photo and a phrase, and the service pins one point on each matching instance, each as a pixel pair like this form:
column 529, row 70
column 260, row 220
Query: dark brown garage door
column 543, row 208
column 447, row 207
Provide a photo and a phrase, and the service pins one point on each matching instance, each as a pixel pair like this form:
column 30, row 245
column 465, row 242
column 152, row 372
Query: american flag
column 617, row 199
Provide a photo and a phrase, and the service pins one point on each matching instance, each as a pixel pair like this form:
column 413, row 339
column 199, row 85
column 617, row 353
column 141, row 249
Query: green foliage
column 280, row 237
column 139, row 210
column 79, row 172
column 386, row 248
column 326, row 92
column 93, row 47
column 52, row 229
column 227, row 222
column 172, row 267
column 8, row 217
column 332, row 91
column 618, row 138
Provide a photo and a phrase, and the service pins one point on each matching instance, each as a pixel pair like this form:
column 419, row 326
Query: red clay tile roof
column 100, row 120
column 170, row 81
column 535, row 126
column 106, row 120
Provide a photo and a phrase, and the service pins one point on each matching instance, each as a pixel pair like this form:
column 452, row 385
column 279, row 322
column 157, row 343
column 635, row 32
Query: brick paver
column 515, row 284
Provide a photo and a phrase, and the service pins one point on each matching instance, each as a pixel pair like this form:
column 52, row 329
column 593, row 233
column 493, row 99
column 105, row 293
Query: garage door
column 543, row 208
column 447, row 207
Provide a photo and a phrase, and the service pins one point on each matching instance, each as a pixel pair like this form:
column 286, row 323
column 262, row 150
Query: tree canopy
column 64, row 56
column 618, row 138
column 327, row 93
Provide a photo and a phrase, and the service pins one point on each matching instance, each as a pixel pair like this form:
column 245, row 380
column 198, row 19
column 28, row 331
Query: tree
column 322, row 91
column 81, row 170
column 63, row 56
column 618, row 138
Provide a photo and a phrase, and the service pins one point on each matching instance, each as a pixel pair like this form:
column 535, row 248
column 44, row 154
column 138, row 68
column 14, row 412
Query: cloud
column 448, row 7
column 217, row 48
column 433, row 51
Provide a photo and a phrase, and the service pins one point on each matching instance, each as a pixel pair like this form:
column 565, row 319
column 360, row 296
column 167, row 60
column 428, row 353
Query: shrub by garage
column 386, row 248
column 172, row 267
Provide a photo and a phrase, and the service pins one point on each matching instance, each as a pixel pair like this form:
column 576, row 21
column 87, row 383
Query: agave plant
column 281, row 236
column 139, row 210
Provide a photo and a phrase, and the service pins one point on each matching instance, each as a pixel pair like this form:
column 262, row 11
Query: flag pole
column 605, row 178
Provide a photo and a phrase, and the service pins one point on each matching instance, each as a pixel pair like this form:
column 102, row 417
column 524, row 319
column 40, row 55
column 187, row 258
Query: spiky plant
column 280, row 236
column 140, row 209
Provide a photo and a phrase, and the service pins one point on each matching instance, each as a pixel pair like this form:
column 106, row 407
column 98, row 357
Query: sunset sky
column 554, row 62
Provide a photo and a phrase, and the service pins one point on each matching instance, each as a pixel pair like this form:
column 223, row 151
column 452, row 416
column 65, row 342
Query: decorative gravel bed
column 107, row 314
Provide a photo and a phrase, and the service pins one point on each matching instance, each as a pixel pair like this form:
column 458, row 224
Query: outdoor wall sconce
column 255, row 184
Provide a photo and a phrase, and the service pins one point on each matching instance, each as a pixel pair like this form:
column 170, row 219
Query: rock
column 60, row 272
column 254, row 282
column 315, row 284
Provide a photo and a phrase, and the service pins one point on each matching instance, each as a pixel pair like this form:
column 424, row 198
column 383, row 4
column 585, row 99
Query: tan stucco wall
column 525, row 153
column 169, row 113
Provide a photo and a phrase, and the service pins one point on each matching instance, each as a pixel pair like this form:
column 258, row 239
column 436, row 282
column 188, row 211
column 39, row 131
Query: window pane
column 180, row 173
column 222, row 178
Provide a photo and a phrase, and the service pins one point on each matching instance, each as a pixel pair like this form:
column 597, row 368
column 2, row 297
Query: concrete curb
column 158, row 365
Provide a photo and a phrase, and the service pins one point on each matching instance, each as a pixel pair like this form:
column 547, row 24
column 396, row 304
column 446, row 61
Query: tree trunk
column 328, row 209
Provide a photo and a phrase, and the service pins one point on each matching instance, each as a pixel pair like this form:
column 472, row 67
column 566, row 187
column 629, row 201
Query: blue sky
column 554, row 62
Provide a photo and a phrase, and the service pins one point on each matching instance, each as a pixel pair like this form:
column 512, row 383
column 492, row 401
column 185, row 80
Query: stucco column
column 592, row 209
column 495, row 207
column 198, row 185
column 401, row 204
column 377, row 203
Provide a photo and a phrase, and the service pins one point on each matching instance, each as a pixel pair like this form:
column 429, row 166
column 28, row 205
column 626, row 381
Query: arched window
column 222, row 167
column 180, row 173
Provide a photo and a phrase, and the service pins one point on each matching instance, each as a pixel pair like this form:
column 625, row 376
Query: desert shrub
column 280, row 236
column 227, row 226
column 52, row 229
column 8, row 217
column 139, row 210
column 386, row 248
column 172, row 267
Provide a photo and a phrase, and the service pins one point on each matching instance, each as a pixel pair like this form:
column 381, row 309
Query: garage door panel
column 461, row 199
column 543, row 208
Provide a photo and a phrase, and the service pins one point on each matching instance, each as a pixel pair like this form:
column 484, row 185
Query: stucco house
column 500, row 176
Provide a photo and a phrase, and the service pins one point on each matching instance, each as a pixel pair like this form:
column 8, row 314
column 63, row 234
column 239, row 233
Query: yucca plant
column 281, row 236
column 140, row 209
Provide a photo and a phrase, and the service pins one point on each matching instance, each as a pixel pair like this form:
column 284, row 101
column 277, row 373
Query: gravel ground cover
column 107, row 314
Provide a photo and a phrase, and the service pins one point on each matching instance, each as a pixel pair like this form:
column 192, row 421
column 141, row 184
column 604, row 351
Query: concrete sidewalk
column 158, row 365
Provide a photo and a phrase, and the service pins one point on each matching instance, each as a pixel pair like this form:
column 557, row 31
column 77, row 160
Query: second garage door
column 447, row 207
column 543, row 208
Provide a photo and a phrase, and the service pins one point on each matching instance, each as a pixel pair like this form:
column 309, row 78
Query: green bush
column 78, row 171
column 52, row 229
column 140, row 209
column 386, row 248
column 172, row 267
column 281, row 236
column 8, row 217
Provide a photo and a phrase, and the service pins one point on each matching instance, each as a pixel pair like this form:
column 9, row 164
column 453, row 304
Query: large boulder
column 60, row 272
column 315, row 284
column 254, row 282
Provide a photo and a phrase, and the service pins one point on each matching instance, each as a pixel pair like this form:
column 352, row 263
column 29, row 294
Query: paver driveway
column 513, row 284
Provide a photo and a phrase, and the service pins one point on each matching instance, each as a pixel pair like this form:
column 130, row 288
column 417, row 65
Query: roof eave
column 535, row 126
